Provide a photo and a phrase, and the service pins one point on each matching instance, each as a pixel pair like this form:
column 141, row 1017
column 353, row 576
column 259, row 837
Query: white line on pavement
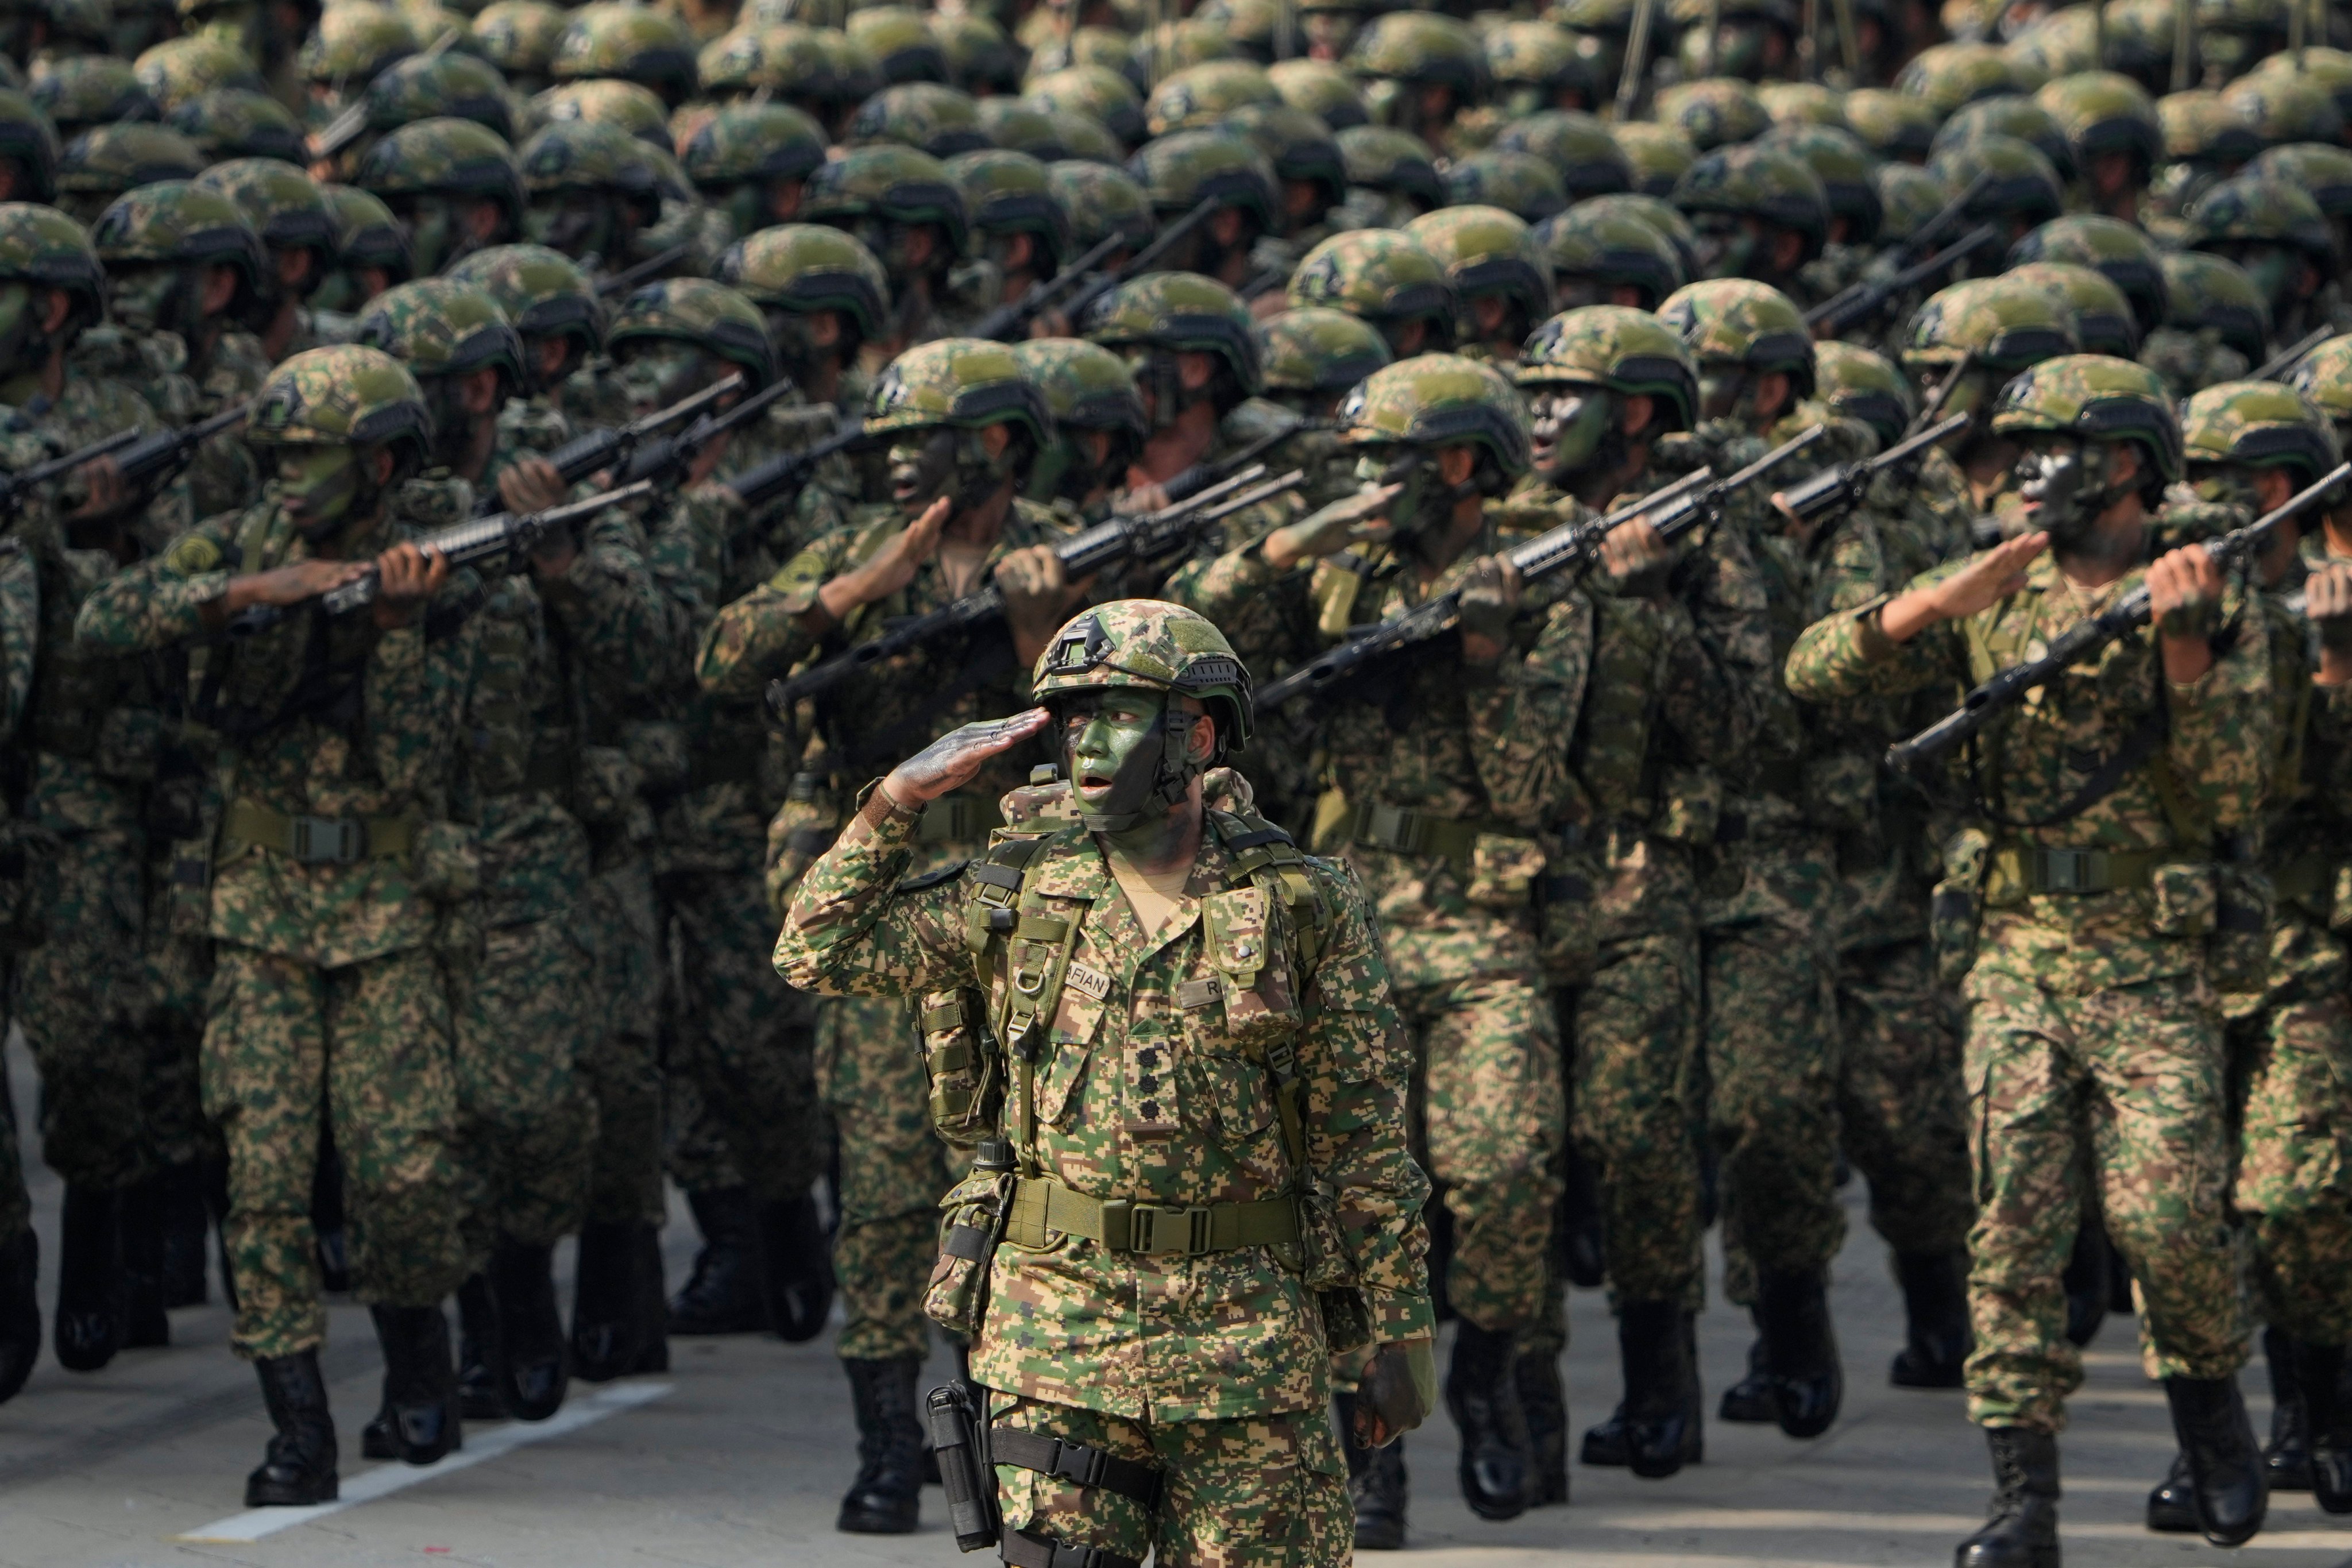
column 385, row 1479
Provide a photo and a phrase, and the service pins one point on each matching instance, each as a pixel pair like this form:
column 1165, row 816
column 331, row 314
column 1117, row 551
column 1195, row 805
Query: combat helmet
column 1153, row 646
column 711, row 316
column 1536, row 66
column 1424, row 48
column 625, row 106
column 889, row 182
column 1992, row 322
column 1668, row 221
column 238, row 122
column 1758, row 180
column 2103, row 112
column 90, row 91
column 2012, row 115
column 286, row 208
column 444, row 327
column 751, row 144
column 632, row 43
column 1441, row 400
column 42, row 247
column 1191, row 167
column 2329, row 69
column 803, row 267
column 1656, row 153
column 1007, row 193
column 2259, row 425
column 583, row 155
column 1946, row 76
column 2104, row 321
column 2210, row 293
column 1519, row 183
column 1738, row 321
column 1486, row 251
column 178, row 69
column 2325, row 376
column 1393, row 162
column 1182, row 312
column 103, row 163
column 27, row 139
column 436, row 157
column 1020, row 126
column 928, row 116
column 366, row 234
column 1909, row 199
column 1864, row 387
column 451, row 84
column 2097, row 398
column 1382, row 275
column 1608, row 250
column 1631, row 353
column 1322, row 90
column 2283, row 109
column 1730, row 38
column 1096, row 92
column 519, row 37
column 1792, row 104
column 2205, row 130
column 1892, row 124
column 1579, row 149
column 543, row 293
column 1204, row 95
column 1099, row 201
column 980, row 57
column 2324, row 174
column 1319, row 351
column 176, row 223
column 1086, row 386
column 2120, row 251
column 2250, row 210
column 341, row 395
column 1715, row 113
column 901, row 43
column 2019, row 187
column 352, row 42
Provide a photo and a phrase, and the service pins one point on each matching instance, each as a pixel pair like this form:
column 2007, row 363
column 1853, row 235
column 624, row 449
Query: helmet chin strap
column 1148, row 784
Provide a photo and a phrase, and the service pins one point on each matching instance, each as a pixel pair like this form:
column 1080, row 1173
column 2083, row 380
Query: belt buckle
column 2065, row 871
column 328, row 840
column 1160, row 1231
column 1078, row 1463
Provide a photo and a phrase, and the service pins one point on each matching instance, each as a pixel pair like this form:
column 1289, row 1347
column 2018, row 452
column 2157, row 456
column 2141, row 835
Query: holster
column 960, row 1439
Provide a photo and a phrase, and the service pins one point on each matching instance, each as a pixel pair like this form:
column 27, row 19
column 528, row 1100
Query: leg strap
column 1076, row 1464
column 1022, row 1550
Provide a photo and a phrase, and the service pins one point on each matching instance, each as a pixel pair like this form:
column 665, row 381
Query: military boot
column 478, row 1398
column 2288, row 1453
column 795, row 1268
column 299, row 1466
column 608, row 1324
column 145, row 1325
column 1544, row 1401
column 1751, row 1399
column 653, row 1308
column 2172, row 1506
column 2322, row 1367
column 20, row 1310
column 2021, row 1527
column 1376, row 1485
column 420, row 1382
column 722, row 1296
column 1482, row 1392
column 886, row 1498
column 1935, row 1319
column 92, row 1302
column 532, row 1377
column 1661, row 1395
column 185, row 1233
column 1792, row 1308
column 2228, row 1484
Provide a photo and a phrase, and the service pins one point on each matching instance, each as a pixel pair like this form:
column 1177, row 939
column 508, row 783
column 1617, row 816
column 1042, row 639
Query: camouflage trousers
column 78, row 1000
column 289, row 1046
column 743, row 1035
column 1267, row 1490
column 2134, row 1072
column 894, row 1170
column 179, row 973
column 2291, row 1087
column 1489, row 1126
column 525, row 1123
column 620, row 1061
column 1900, row 1115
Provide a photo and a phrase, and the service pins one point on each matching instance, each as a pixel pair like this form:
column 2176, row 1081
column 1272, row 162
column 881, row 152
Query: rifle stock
column 15, row 486
column 165, row 451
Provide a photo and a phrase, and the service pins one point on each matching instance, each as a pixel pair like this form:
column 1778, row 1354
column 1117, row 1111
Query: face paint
column 1160, row 380
column 1723, row 389
column 1571, row 427
column 1726, row 245
column 2225, row 484
column 659, row 372
column 144, row 298
column 317, row 487
column 746, row 207
column 1115, row 750
column 2062, row 495
column 577, row 222
column 1424, row 505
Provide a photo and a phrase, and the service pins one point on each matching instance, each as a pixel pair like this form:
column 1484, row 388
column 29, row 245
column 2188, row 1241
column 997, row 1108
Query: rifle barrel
column 2287, row 358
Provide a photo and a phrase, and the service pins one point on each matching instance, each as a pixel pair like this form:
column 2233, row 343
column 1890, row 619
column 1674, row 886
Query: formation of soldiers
column 490, row 495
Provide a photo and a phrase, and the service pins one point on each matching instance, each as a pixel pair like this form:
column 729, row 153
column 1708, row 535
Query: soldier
column 2277, row 234
column 1500, row 277
column 1099, row 425
column 330, row 931
column 593, row 191
column 290, row 213
column 1844, row 167
column 1422, row 72
column 555, row 312
column 1608, row 258
column 752, row 160
column 102, row 164
column 1237, row 1452
column 2118, row 251
column 964, row 425
column 1387, row 278
column 372, row 255
column 2021, row 189
column 904, row 208
column 1761, row 212
column 2049, row 1045
column 1017, row 223
column 1221, row 165
column 2112, row 131
column 1191, row 345
column 1100, row 201
column 1977, row 335
column 20, row 1250
column 1438, row 819
column 454, row 186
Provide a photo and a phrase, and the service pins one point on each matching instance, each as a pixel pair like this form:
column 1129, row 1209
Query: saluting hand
column 949, row 763
column 1345, row 522
column 891, row 568
column 1991, row 576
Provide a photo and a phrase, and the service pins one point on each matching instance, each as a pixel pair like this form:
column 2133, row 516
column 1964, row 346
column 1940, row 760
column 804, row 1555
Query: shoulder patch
column 931, row 878
column 192, row 554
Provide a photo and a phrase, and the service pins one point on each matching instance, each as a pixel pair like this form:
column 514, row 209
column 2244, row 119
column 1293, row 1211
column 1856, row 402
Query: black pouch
column 959, row 1440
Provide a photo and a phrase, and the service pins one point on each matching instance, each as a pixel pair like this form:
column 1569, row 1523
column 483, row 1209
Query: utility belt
column 958, row 818
column 1403, row 831
column 317, row 840
column 1042, row 1207
column 2019, row 870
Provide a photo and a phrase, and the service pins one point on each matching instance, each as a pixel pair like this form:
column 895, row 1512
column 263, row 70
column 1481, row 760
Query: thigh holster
column 1076, row 1464
column 1023, row 1550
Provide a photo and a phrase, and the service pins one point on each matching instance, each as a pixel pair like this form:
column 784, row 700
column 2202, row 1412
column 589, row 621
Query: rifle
column 781, row 475
column 1861, row 301
column 1191, row 481
column 15, row 486
column 1690, row 499
column 1150, row 537
column 651, row 267
column 2278, row 364
column 659, row 460
column 1837, row 489
column 599, row 450
column 1943, row 392
column 2079, row 641
column 352, row 124
column 165, row 451
column 1010, row 323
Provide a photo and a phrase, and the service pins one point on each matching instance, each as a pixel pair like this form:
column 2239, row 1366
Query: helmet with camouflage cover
column 238, row 122
column 1250, row 25
column 1024, row 127
column 1100, row 200
column 28, row 141
column 1111, row 49
column 1319, row 351
column 442, row 327
column 1394, row 163
column 1424, row 48
column 42, row 247
column 1715, row 112
column 1796, row 103
column 1593, row 254
column 2325, row 376
column 2020, row 188
column 343, row 395
column 2283, row 109
column 90, row 91
column 1657, row 154
column 1577, row 148
column 1736, row 321
column 751, row 145
column 927, row 115
column 1441, row 400
column 1751, row 40
column 1536, row 65
column 2206, row 293
column 2120, row 251
column 76, row 26
column 544, row 294
column 735, row 65
column 1671, row 223
column 444, row 157
column 1190, row 41
column 1909, row 198
column 628, row 42
column 1517, row 182
column 1385, row 276
column 2324, row 174
column 2013, row 115
column 980, row 57
column 460, row 86
column 176, row 223
column 1007, row 193
column 1096, row 91
column 519, row 38
column 888, row 184
column 1322, row 90
column 2205, row 128
column 1182, row 312
column 2104, row 322
column 1148, row 644
column 583, row 155
column 1206, row 95
column 1994, row 323
column 2329, row 69
column 1864, row 387
column 103, row 163
column 829, row 72
column 932, row 409
column 2055, row 45
column 1488, row 252
column 352, row 42
column 2249, row 212
column 1947, row 76
column 1758, row 180
column 2096, row 398
column 2233, row 35
column 286, row 208
column 2101, row 112
column 711, row 316
column 1631, row 353
column 1081, row 136
column 1844, row 167
column 901, row 42
column 604, row 100
column 1222, row 166
column 1086, row 386
column 2259, row 425
column 1892, row 124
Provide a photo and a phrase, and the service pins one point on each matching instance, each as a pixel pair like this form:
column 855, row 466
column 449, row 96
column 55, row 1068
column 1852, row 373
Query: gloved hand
column 2327, row 600
column 1398, row 1392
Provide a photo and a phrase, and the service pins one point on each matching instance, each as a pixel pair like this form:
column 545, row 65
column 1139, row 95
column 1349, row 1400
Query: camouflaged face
column 1316, row 349
column 2096, row 397
column 966, row 383
column 1615, row 346
column 2006, row 325
column 1378, row 274
column 335, row 396
column 1086, row 387
column 1184, row 312
column 1204, row 95
column 1441, row 400
column 2260, row 424
column 1147, row 643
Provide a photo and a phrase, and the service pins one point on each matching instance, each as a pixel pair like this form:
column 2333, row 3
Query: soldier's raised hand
column 1345, row 522
column 1038, row 597
column 1491, row 590
column 1990, row 577
column 1399, row 1390
column 890, row 568
column 949, row 763
column 1632, row 553
column 2327, row 600
column 406, row 576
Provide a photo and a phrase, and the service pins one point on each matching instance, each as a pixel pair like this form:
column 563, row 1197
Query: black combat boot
column 1750, row 1400
column 92, row 1300
column 2322, row 1367
column 1935, row 1319
column 1376, row 1485
column 795, row 1268
column 2228, row 1484
column 1543, row 1400
column 532, row 1376
column 607, row 1329
column 1662, row 1395
column 1482, row 1392
column 2022, row 1524
column 653, row 1308
column 886, row 1498
column 478, row 1398
column 20, row 1310
column 1605, row 1441
column 145, row 1325
column 2172, row 1506
column 1792, row 1307
column 2288, row 1453
column 722, row 1296
column 299, row 1466
column 420, row 1382
column 185, row 1235
column 2087, row 1283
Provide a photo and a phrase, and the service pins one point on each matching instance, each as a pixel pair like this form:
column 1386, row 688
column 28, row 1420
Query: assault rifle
column 1150, row 537
column 150, row 460
column 1837, row 489
column 1191, row 481
column 1863, row 301
column 2083, row 639
column 600, row 450
column 660, row 461
column 2285, row 360
column 780, row 476
column 15, row 486
column 651, row 266
column 1076, row 287
column 1010, row 323
column 1673, row 510
column 352, row 124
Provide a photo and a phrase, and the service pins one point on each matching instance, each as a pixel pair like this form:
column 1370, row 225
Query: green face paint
column 432, row 231
column 1570, row 425
column 140, row 298
column 1112, row 745
column 657, row 372
column 318, row 485
column 2225, row 484
column 1726, row 244
column 577, row 222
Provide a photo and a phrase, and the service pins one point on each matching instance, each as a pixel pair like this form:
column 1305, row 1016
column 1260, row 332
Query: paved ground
column 738, row 1456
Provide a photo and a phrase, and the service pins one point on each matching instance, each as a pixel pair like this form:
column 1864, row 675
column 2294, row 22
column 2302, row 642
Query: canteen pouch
column 2238, row 951
column 447, row 862
column 2184, row 899
column 974, row 1213
column 1956, row 908
column 1503, row 871
column 28, row 884
column 960, row 1441
column 1690, row 802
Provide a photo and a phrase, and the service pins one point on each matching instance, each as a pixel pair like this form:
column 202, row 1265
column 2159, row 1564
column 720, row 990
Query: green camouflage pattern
column 2098, row 397
column 1486, row 250
column 349, row 49
column 1183, row 170
column 1892, row 124
column 1440, row 400
column 1182, row 311
column 2103, row 317
column 1320, row 350
column 1203, row 95
column 104, row 162
column 2210, row 296
column 1086, row 386
column 1519, row 183
column 1715, row 112
column 1377, row 274
column 709, row 315
column 518, row 35
column 1007, row 193
column 178, row 71
column 2004, row 326
column 926, row 115
column 441, row 326
column 752, row 142
column 889, row 181
column 1627, row 351
column 632, row 43
column 810, row 267
column 1099, row 200
column 2259, row 424
column 1948, row 76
